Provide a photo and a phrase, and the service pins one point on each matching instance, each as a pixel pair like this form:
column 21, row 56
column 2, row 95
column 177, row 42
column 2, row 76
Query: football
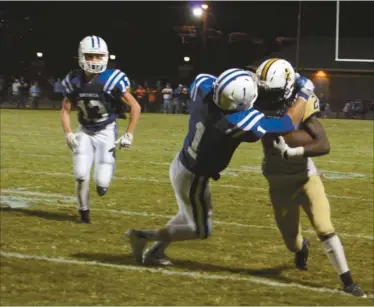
column 298, row 138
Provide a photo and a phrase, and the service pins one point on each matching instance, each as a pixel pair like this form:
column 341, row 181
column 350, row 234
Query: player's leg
column 83, row 158
column 194, row 219
column 104, row 142
column 317, row 209
column 284, row 199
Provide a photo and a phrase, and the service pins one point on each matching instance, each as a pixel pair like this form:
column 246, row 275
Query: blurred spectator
column 184, row 97
column 58, row 92
column 24, row 90
column 141, row 97
column 347, row 110
column 167, row 94
column 35, row 95
column 327, row 110
column 152, row 96
column 159, row 86
column 178, row 103
column 357, row 108
column 16, row 92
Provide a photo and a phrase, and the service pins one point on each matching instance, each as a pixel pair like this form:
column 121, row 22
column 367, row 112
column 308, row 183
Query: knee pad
column 101, row 191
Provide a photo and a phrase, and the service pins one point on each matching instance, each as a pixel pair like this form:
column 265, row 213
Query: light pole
column 201, row 12
column 298, row 37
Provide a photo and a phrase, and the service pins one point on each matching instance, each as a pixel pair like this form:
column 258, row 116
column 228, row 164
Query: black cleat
column 85, row 217
column 301, row 257
column 355, row 290
column 101, row 191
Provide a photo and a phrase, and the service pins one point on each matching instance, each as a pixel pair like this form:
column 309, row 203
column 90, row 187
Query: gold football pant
column 287, row 197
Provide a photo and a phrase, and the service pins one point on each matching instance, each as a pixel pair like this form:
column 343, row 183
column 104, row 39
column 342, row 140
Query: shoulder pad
column 202, row 85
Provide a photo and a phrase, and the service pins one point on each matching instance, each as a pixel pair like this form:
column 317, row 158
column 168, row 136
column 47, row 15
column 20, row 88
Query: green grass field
column 46, row 259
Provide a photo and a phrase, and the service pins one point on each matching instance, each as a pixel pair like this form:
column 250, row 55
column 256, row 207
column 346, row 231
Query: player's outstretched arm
column 135, row 109
column 306, row 88
column 65, row 122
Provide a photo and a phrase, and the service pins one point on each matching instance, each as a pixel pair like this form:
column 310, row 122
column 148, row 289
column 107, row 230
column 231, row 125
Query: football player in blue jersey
column 221, row 117
column 97, row 92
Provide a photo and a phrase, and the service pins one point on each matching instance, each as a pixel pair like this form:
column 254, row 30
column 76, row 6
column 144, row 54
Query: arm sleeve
column 274, row 125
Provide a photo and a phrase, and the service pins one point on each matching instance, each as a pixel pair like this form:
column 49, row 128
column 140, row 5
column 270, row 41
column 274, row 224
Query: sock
column 170, row 233
column 160, row 246
column 335, row 252
column 82, row 191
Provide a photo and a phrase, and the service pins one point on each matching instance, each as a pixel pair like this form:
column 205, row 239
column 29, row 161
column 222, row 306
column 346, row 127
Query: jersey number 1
column 200, row 129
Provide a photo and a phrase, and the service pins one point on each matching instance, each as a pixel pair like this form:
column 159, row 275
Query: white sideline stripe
column 206, row 276
column 71, row 199
column 168, row 181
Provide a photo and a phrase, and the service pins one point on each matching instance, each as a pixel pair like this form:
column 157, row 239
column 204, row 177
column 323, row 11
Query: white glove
column 285, row 151
column 125, row 141
column 71, row 141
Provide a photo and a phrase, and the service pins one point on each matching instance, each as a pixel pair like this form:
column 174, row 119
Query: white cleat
column 137, row 244
column 154, row 259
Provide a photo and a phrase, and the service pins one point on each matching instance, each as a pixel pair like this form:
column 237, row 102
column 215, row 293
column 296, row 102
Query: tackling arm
column 296, row 112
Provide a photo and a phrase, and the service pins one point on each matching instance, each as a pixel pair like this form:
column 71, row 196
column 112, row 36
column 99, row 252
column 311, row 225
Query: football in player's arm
column 222, row 116
column 293, row 178
column 311, row 141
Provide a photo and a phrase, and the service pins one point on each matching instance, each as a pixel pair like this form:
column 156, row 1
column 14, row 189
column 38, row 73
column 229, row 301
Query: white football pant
column 98, row 147
column 193, row 197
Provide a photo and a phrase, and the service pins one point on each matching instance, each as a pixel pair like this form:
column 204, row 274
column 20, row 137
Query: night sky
column 140, row 33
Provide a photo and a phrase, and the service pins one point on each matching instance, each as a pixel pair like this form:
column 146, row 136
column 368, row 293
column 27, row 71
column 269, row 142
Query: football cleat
column 355, row 290
column 137, row 243
column 301, row 257
column 152, row 258
column 84, row 217
column 101, row 191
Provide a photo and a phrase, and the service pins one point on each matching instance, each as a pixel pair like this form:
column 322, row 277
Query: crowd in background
column 154, row 97
column 157, row 97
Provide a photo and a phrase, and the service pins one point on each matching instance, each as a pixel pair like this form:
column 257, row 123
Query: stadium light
column 197, row 12
column 39, row 54
column 112, row 57
column 204, row 6
column 186, row 59
column 321, row 74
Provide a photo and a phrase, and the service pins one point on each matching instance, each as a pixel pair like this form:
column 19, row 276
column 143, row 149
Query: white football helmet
column 93, row 45
column 235, row 90
column 277, row 74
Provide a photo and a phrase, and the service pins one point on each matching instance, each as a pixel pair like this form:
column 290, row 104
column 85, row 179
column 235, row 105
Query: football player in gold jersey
column 291, row 174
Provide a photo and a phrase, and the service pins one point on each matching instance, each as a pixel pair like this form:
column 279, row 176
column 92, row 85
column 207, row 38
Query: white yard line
column 17, row 202
column 170, row 272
